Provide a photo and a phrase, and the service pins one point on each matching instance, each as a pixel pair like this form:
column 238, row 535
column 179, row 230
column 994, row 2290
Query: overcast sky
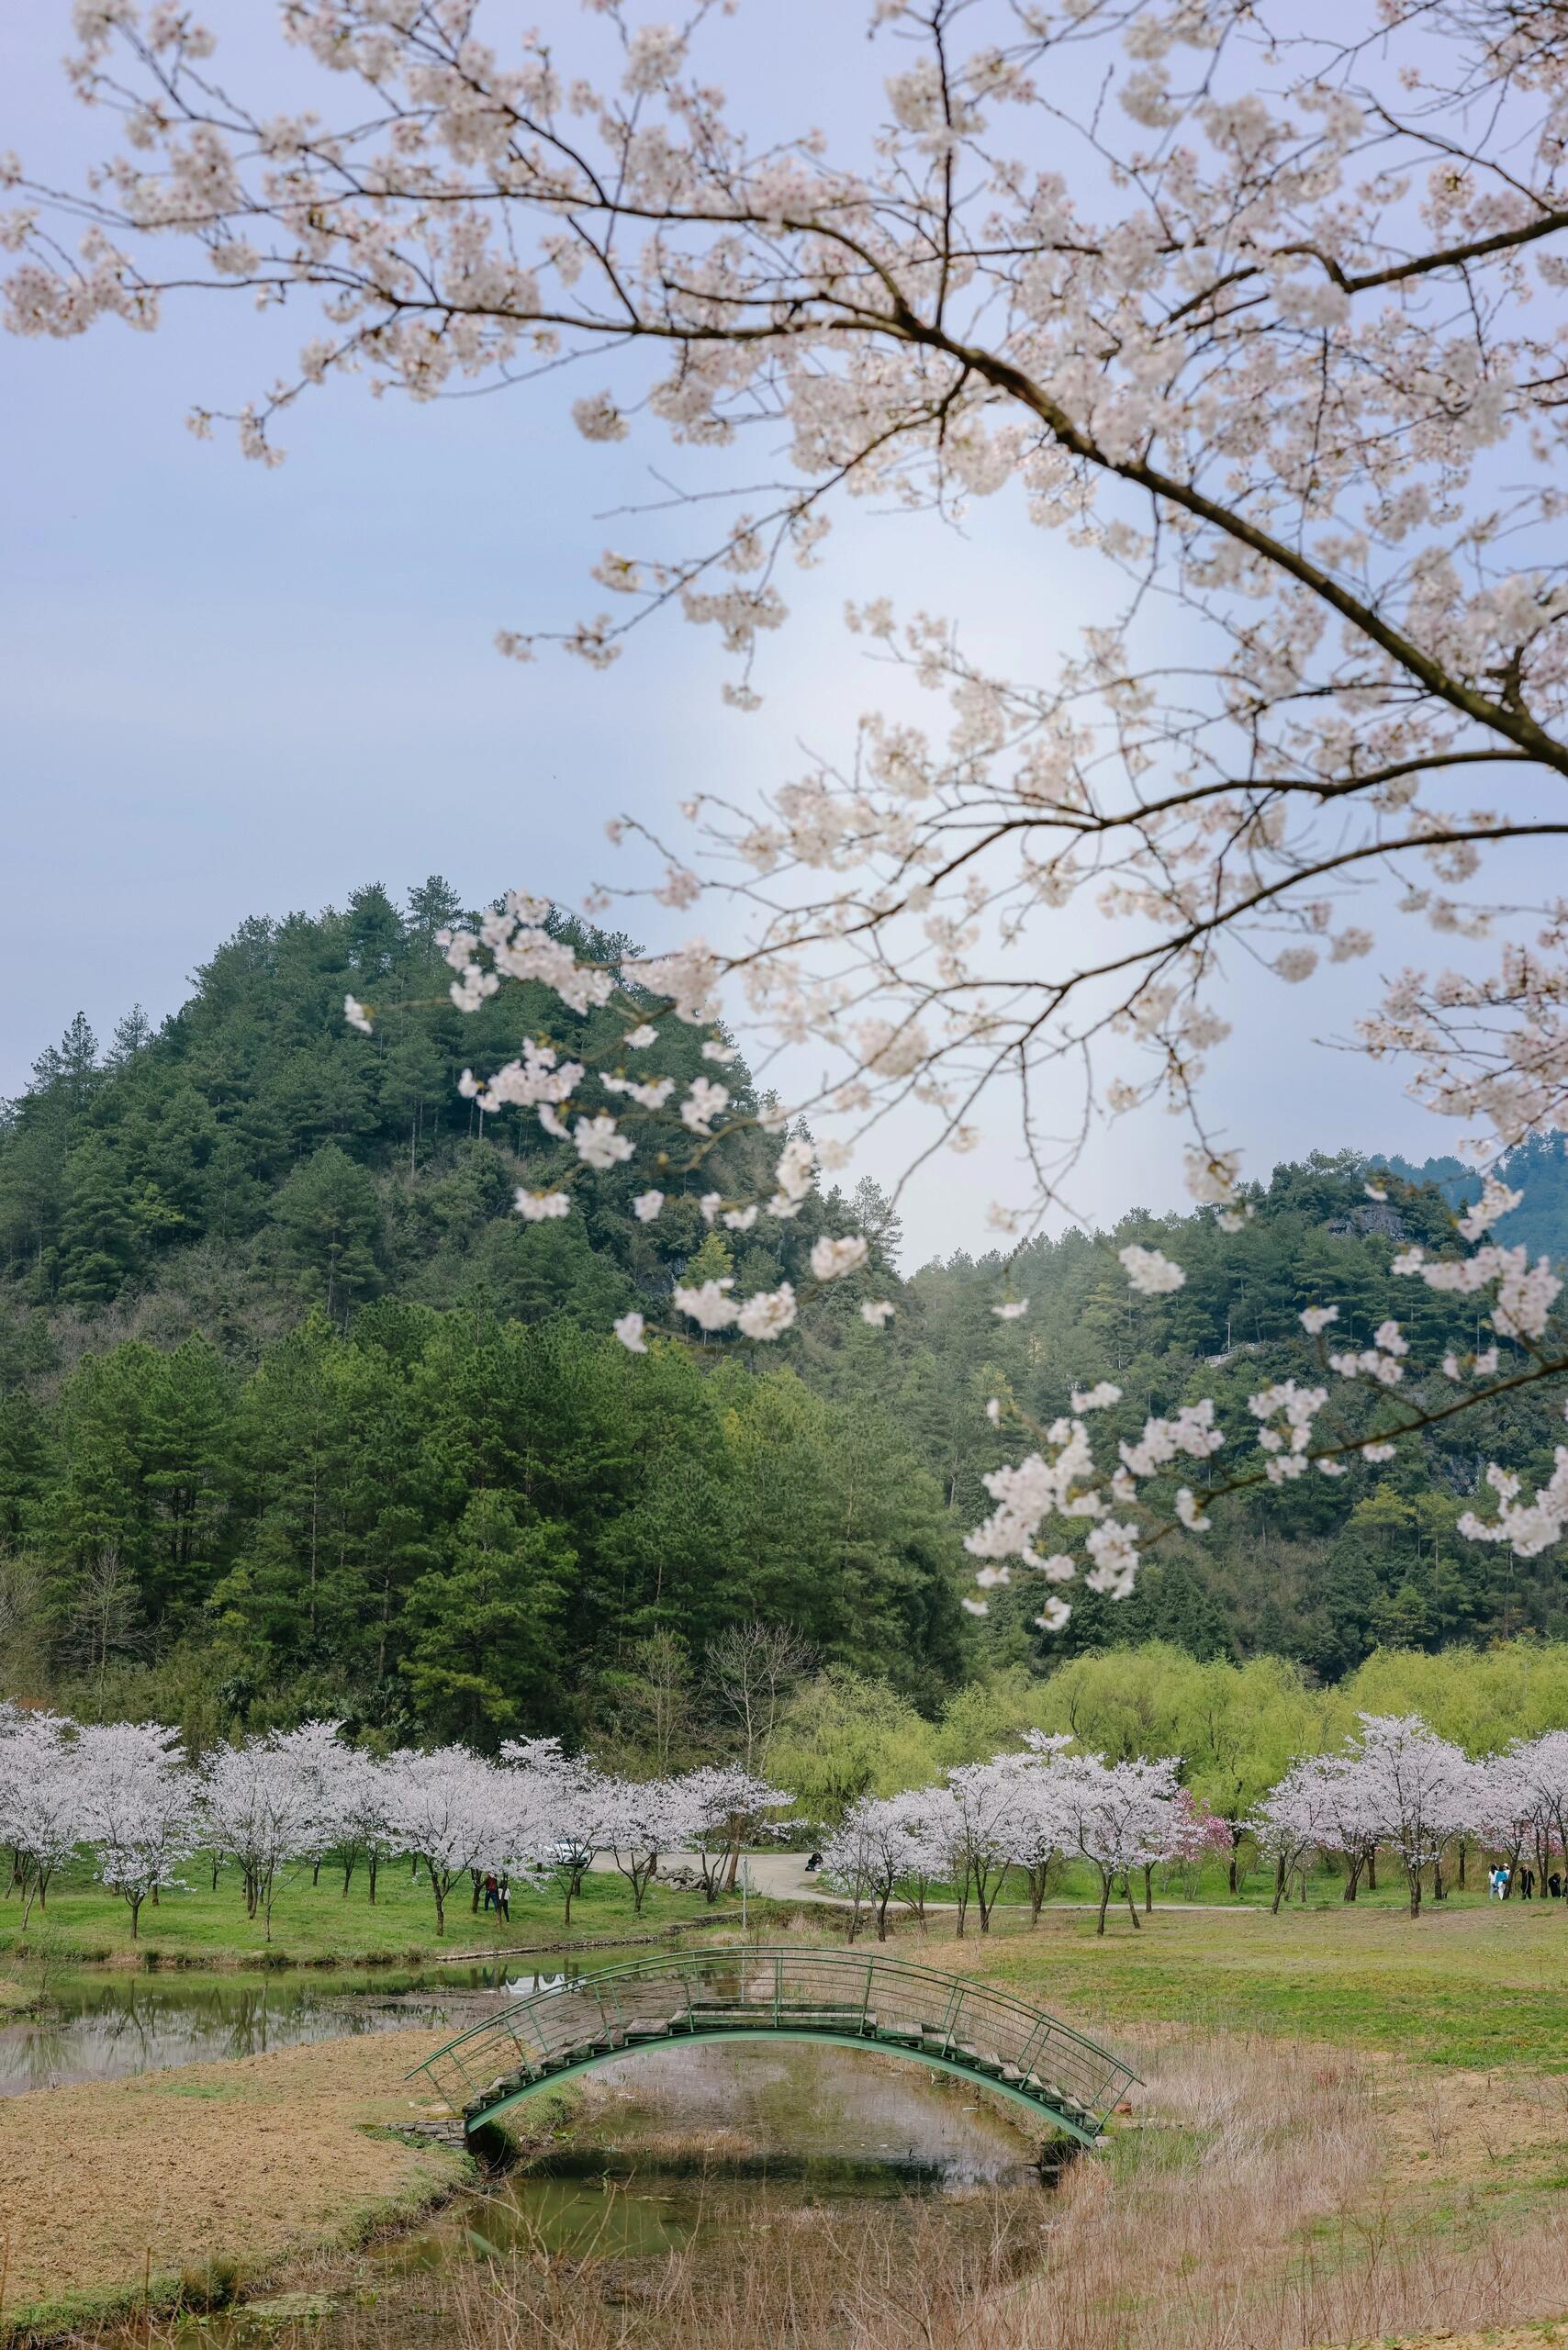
column 229, row 690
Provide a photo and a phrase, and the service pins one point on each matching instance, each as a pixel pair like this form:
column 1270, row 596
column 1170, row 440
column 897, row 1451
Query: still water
column 706, row 2196
column 687, row 2178
column 102, row 2027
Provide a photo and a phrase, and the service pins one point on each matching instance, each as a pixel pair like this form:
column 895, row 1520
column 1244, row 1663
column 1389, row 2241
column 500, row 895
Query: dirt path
column 782, row 1876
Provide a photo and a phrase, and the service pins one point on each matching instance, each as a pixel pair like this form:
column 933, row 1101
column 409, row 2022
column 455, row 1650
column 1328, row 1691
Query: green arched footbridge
column 846, row 1998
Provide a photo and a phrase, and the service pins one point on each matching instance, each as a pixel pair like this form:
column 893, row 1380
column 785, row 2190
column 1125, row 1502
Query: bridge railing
column 869, row 1994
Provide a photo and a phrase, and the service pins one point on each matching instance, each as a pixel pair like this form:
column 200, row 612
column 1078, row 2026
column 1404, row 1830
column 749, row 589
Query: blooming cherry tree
column 41, row 1792
column 261, row 1803
column 1263, row 323
column 641, row 1818
column 724, row 1803
column 138, row 1807
column 453, row 1810
column 1295, row 1818
column 563, row 1810
column 1416, row 1791
column 1118, row 1816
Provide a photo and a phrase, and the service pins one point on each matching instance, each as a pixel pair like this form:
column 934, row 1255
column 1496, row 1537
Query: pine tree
column 132, row 1035
column 482, row 1656
column 433, row 905
column 96, row 1249
column 415, row 1082
column 330, row 1226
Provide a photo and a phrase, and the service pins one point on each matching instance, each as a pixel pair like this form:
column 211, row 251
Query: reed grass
column 1252, row 2201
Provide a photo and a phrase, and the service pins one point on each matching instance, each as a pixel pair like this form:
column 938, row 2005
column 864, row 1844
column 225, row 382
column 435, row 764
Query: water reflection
column 104, row 2026
column 695, row 2144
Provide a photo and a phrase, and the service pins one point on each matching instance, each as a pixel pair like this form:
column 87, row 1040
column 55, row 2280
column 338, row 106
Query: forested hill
column 299, row 1415
column 1537, row 1169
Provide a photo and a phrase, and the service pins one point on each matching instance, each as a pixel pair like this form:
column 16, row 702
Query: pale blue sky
column 228, row 691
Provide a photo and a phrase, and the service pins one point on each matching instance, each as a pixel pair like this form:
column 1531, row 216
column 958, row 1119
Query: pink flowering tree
column 989, row 1830
column 41, row 1793
column 563, row 1810
column 643, row 1817
column 364, row 1794
column 1118, row 1817
column 1197, row 1834
column 889, row 1848
column 260, row 1805
column 1039, row 1827
column 1415, row 1791
column 452, row 1810
column 1263, row 323
column 724, row 1805
column 861, row 1860
column 1295, row 1819
column 139, row 1808
column 1528, row 1789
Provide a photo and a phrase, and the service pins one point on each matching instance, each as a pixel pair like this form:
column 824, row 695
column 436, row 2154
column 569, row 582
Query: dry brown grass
column 204, row 2169
column 1263, row 2197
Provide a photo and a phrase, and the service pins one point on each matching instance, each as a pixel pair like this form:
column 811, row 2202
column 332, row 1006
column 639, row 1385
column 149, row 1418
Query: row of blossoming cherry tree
column 126, row 1793
column 1394, row 1786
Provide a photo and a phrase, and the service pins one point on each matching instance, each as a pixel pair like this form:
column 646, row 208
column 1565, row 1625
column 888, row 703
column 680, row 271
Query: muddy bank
column 208, row 2179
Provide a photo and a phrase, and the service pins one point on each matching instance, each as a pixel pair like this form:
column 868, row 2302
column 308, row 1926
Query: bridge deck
column 863, row 1999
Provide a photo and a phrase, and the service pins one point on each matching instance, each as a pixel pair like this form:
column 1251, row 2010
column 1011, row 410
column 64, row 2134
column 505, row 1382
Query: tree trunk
column 1132, row 1905
column 1148, row 1879
column 1104, row 1903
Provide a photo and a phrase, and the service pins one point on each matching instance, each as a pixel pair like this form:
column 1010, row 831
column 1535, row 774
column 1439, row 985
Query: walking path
column 781, row 1876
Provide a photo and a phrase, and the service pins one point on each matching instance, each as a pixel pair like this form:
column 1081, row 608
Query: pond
column 717, row 2195
column 689, row 2194
column 103, row 2026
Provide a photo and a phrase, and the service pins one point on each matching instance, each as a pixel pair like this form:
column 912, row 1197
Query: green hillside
column 296, row 1414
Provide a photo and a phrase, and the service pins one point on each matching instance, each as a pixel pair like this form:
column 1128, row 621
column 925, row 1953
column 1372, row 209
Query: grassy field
column 317, row 1925
column 1464, row 1984
column 205, row 2177
column 1208, row 1885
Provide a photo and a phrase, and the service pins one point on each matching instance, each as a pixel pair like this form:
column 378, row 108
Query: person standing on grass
column 491, row 1894
column 503, row 1899
column 1495, row 1884
column 1526, row 1885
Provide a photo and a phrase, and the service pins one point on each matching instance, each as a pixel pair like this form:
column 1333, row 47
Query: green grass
column 316, row 1925
column 1463, row 1985
column 1207, row 1885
